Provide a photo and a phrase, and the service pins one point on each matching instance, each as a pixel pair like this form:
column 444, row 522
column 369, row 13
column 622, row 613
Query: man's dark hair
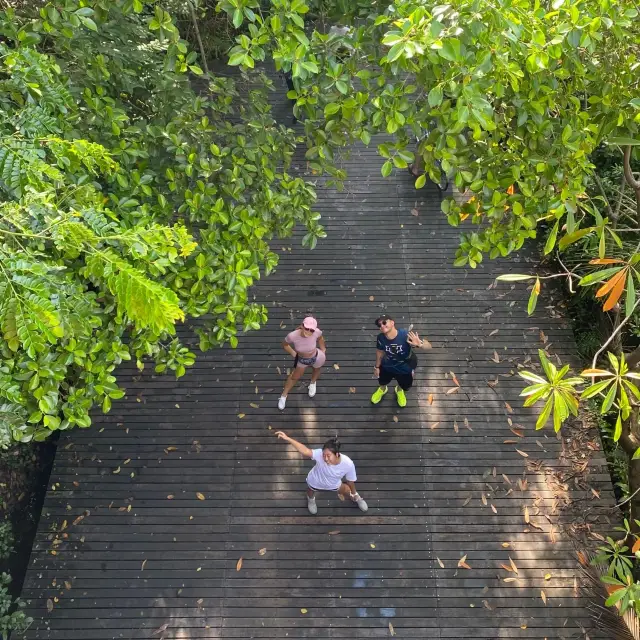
column 333, row 445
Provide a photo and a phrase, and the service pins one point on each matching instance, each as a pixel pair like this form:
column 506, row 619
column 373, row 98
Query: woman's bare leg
column 294, row 376
column 316, row 374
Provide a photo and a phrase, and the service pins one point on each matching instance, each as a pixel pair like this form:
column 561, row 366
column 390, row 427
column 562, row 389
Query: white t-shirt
column 328, row 477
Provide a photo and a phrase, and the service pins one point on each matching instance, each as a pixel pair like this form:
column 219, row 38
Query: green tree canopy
column 130, row 203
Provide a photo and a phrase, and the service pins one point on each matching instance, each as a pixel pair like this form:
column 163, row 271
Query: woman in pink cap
column 307, row 346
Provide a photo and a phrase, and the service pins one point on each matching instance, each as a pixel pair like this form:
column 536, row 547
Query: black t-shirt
column 398, row 355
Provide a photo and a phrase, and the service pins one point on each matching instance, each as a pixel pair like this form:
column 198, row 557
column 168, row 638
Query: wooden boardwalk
column 149, row 512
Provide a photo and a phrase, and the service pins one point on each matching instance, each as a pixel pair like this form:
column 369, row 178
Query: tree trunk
column 630, row 442
column 194, row 19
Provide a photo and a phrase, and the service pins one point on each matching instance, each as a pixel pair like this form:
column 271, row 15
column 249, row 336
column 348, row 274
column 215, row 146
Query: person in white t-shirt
column 333, row 471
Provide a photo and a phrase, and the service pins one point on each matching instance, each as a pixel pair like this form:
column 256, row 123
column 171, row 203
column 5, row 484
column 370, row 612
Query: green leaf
column 387, row 168
column 618, row 428
column 89, row 23
column 546, row 412
column 570, row 238
column 598, row 276
column 533, row 298
column 630, row 300
column 624, row 142
column 421, row 180
column 435, row 96
column 514, row 277
column 551, row 238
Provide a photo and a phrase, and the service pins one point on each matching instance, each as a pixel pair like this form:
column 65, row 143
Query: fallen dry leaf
column 493, row 333
column 254, row 405
column 431, row 398
column 506, row 567
column 373, row 546
column 161, row 628
column 467, row 425
column 303, row 611
column 455, row 426
column 170, row 497
column 352, row 389
column 239, row 564
column 543, row 595
column 116, row 470
column 453, row 377
column 526, row 515
column 513, row 565
column 440, row 563
column 434, row 425
column 336, row 366
column 509, row 579
column 462, row 563
column 547, row 576
column 241, row 415
column 484, row 499
column 262, row 551
column 508, row 406
column 335, row 532
column 494, row 509
column 520, row 434
column 371, row 298
column 415, row 212
column 49, row 605
column 452, row 390
column 496, row 357
column 392, row 631
column 200, row 496
column 144, row 562
column 506, row 478
column 466, row 502
column 487, row 605
column 395, row 418
column 522, row 453
column 506, row 545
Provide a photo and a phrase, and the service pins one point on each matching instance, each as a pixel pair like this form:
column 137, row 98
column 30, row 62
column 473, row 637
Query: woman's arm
column 298, row 446
column 321, row 344
column 288, row 348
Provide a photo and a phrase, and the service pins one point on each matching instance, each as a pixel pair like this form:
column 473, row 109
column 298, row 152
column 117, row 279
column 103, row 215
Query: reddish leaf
column 606, row 261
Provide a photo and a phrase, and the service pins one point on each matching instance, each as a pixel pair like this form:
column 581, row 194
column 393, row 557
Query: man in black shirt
column 395, row 359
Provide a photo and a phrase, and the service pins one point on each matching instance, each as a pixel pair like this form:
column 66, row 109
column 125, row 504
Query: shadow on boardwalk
column 127, row 549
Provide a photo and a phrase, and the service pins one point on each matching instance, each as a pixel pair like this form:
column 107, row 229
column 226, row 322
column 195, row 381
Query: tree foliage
column 510, row 98
column 130, row 204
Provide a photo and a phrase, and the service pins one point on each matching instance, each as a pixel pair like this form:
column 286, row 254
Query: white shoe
column 282, row 403
column 312, row 389
column 362, row 505
column 312, row 506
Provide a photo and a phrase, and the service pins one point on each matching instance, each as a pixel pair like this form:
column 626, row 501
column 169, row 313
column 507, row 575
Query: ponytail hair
column 333, row 445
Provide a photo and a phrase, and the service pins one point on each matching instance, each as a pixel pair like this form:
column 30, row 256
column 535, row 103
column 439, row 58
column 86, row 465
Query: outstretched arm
column 414, row 340
column 298, row 446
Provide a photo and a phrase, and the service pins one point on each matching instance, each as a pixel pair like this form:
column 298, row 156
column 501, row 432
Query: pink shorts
column 314, row 361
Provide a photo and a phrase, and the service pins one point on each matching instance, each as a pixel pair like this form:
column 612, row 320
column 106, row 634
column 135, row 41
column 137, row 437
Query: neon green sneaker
column 378, row 393
column 400, row 397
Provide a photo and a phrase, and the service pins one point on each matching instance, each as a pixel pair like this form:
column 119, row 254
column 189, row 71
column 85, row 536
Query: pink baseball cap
column 310, row 323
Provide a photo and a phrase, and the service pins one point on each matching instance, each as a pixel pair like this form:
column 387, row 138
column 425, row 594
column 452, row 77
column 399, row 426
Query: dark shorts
column 405, row 380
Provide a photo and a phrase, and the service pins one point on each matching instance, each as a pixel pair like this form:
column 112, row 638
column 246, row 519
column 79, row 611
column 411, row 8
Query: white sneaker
column 312, row 506
column 362, row 505
column 282, row 403
column 312, row 389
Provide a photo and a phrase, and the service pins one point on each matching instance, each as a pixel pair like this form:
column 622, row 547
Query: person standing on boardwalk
column 395, row 359
column 333, row 471
column 308, row 349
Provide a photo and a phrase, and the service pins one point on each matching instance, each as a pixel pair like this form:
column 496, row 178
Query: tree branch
column 613, row 335
column 629, row 177
column 194, row 19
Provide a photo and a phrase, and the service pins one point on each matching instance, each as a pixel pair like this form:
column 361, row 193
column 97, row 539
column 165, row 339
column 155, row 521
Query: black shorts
column 405, row 380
